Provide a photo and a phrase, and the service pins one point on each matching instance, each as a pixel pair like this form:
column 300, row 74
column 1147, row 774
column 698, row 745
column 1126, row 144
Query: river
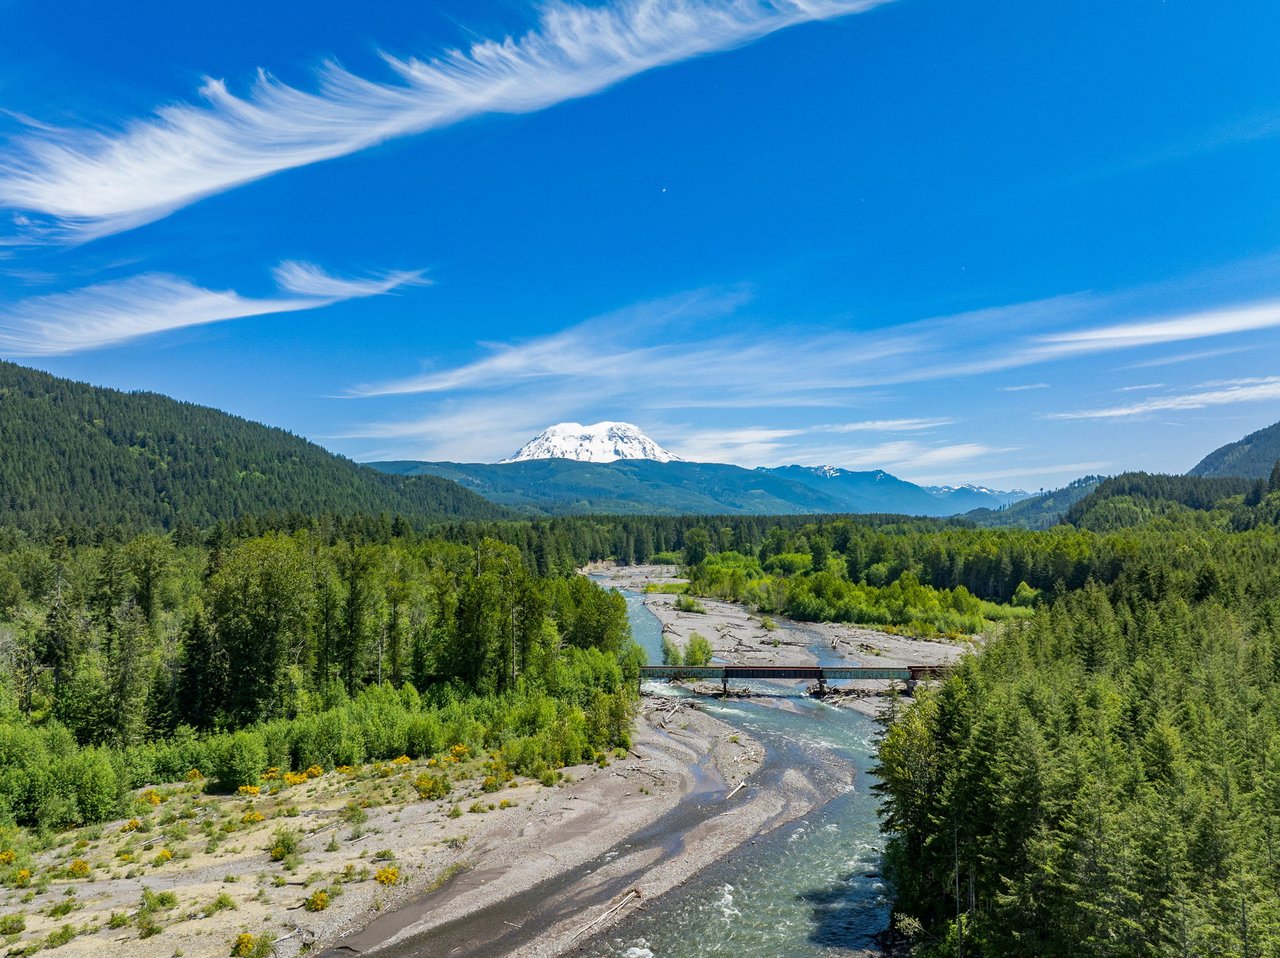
column 808, row 889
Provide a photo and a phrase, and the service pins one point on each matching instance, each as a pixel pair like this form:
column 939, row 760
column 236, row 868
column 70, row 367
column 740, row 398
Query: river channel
column 809, row 889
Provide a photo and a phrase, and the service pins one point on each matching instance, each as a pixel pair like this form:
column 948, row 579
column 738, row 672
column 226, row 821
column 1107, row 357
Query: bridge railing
column 813, row 673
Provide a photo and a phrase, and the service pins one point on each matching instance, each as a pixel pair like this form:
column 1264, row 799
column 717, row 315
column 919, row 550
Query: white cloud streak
column 1197, row 325
column 110, row 313
column 307, row 279
column 1254, row 390
column 888, row 425
column 91, row 183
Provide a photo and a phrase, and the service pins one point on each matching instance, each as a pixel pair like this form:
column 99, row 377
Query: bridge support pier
column 911, row 687
column 822, row 685
column 724, row 687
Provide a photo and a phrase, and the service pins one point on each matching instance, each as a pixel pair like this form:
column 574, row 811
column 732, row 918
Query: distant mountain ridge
column 561, row 486
column 75, row 455
column 1252, row 457
column 598, row 442
column 1039, row 511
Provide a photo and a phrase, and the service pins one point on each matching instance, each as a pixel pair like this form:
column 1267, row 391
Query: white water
column 812, row 889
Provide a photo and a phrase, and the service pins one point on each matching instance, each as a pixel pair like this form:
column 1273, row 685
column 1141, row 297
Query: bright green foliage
column 280, row 650
column 697, row 651
column 785, row 584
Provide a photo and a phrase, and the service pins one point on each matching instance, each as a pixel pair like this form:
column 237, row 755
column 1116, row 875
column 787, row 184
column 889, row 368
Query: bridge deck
column 812, row 673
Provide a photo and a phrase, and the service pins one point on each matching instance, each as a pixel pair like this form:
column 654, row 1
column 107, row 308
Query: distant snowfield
column 598, row 442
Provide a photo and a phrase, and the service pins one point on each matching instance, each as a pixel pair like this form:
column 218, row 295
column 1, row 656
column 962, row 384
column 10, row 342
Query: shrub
column 284, row 842
column 12, row 925
column 697, row 652
column 432, row 786
column 57, row 939
column 78, row 869
column 424, row 735
column 671, row 654
column 240, row 760
column 222, row 902
column 252, row 946
column 98, row 788
column 317, row 901
column 389, row 875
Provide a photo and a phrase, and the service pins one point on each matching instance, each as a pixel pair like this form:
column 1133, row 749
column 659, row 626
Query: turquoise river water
column 808, row 889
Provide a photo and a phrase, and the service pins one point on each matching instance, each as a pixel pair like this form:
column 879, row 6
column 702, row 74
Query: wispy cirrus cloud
column 1226, row 393
column 308, row 279
column 712, row 349
column 888, row 425
column 86, row 183
column 106, row 314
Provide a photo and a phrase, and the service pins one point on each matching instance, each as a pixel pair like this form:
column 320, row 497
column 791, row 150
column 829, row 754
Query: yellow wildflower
column 78, row 869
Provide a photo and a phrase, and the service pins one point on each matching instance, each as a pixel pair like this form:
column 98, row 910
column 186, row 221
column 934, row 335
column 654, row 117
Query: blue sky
column 998, row 242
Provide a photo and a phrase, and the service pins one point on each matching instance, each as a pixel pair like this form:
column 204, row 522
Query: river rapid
column 808, row 889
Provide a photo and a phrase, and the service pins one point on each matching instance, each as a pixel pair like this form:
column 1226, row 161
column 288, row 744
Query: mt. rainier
column 598, row 442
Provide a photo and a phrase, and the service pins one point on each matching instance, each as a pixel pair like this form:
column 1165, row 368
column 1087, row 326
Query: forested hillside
column 626, row 487
column 1252, row 457
column 78, row 457
column 1039, row 511
column 1136, row 497
column 647, row 487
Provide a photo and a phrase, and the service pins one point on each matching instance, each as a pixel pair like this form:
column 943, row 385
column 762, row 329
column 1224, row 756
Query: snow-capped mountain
column 598, row 442
column 968, row 491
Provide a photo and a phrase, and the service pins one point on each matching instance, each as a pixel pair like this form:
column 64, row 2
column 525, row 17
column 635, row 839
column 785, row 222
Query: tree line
column 1103, row 779
column 128, row 660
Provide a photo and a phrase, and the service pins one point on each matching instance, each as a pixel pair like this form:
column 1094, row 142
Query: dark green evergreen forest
column 1103, row 779
column 75, row 459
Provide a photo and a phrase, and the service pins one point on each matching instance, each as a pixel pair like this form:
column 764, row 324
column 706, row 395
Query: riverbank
column 369, row 864
column 745, row 638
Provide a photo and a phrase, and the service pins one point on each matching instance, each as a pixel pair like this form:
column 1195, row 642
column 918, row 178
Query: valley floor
column 526, row 869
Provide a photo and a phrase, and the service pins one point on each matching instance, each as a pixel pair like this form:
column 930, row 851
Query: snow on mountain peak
column 598, row 442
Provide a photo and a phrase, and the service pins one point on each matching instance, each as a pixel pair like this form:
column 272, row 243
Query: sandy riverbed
column 478, row 858
column 745, row 638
